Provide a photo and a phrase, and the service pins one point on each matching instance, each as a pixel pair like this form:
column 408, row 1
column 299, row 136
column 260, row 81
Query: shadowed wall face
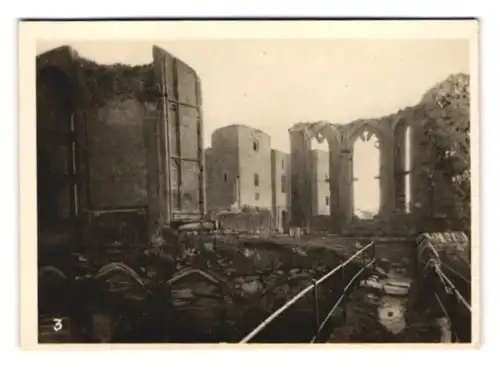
column 334, row 182
column 320, row 171
column 117, row 153
column 54, row 156
column 301, row 195
column 222, row 162
column 115, row 143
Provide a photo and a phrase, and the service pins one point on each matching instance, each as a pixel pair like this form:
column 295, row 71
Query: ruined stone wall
column 117, row 154
column 247, row 222
column 124, row 151
column 430, row 201
column 254, row 162
column 121, row 127
column 54, row 154
column 419, row 202
column 233, row 165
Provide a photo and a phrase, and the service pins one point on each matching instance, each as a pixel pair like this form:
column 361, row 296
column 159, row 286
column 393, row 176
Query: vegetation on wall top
column 104, row 82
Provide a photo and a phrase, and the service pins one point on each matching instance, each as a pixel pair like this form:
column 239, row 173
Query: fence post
column 316, row 306
column 342, row 282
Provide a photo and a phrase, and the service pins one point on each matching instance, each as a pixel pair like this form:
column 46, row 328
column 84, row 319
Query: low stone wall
column 247, row 222
column 321, row 224
column 381, row 226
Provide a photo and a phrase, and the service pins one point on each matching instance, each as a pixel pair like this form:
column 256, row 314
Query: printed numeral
column 57, row 325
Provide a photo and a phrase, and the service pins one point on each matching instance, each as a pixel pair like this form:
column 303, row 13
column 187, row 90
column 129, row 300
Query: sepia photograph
column 256, row 186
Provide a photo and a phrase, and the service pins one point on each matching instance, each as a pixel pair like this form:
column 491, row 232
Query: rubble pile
column 254, row 277
column 378, row 312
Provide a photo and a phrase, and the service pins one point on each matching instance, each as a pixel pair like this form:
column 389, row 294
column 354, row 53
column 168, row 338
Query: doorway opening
column 403, row 168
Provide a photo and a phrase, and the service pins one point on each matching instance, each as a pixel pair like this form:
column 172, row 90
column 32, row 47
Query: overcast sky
column 272, row 84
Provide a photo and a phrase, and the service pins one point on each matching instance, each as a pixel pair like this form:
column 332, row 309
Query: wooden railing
column 454, row 306
column 313, row 287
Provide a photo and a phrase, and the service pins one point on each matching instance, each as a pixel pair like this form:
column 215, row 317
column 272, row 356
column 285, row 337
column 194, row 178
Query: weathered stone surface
column 375, row 318
column 391, row 314
column 384, row 225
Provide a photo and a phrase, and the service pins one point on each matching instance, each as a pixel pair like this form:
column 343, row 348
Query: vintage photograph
column 254, row 190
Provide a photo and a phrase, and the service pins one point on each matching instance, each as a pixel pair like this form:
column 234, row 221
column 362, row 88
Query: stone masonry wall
column 254, row 162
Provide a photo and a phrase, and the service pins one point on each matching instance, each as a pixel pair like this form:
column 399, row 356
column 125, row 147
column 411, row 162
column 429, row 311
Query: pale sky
column 365, row 170
column 273, row 84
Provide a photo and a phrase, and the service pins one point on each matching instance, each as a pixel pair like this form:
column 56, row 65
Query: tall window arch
column 407, row 168
column 366, row 175
column 403, row 167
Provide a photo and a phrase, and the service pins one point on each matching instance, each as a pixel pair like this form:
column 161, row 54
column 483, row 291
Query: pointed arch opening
column 407, row 169
column 366, row 175
column 403, row 168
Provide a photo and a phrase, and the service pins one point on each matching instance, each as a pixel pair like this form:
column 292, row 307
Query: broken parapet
column 128, row 170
